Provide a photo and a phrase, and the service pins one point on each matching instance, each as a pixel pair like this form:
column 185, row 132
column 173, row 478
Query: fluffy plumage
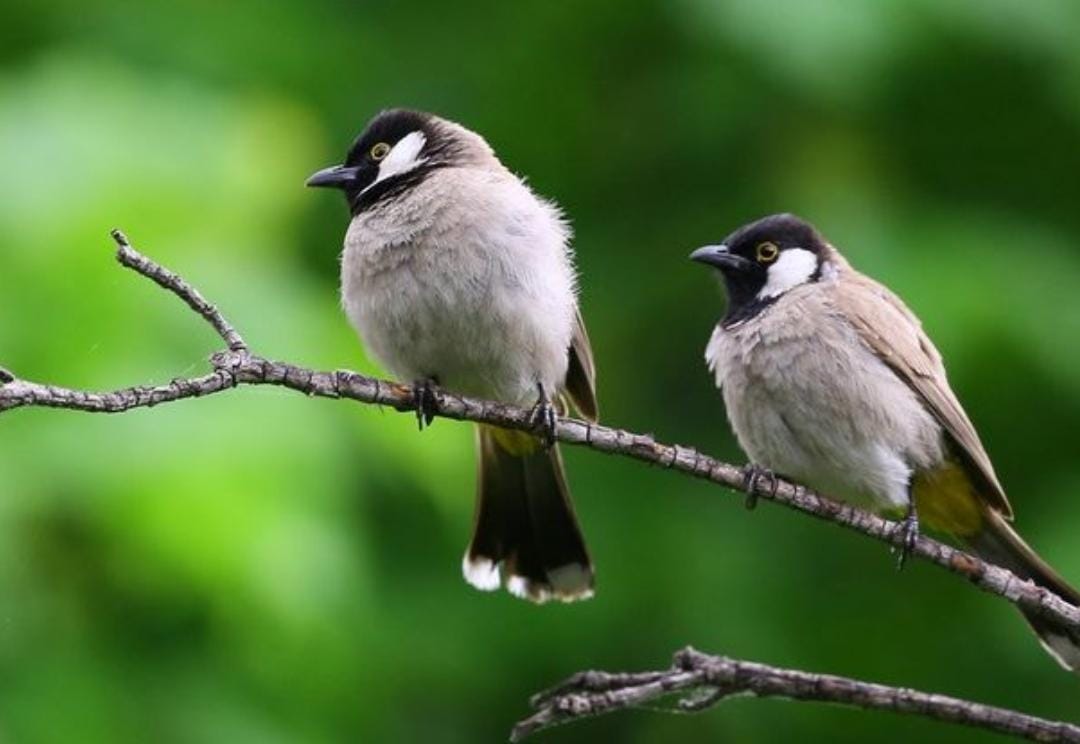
column 455, row 271
column 466, row 276
column 829, row 379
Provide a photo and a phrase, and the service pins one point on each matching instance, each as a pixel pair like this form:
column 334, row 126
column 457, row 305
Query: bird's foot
column 426, row 401
column 544, row 417
column 752, row 475
column 909, row 531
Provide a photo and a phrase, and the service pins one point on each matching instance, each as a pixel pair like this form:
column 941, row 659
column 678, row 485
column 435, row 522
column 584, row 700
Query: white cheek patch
column 794, row 267
column 404, row 157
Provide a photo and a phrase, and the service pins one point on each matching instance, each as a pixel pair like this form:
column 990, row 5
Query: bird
column 458, row 277
column 828, row 379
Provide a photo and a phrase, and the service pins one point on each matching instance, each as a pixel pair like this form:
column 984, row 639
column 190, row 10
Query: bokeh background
column 259, row 567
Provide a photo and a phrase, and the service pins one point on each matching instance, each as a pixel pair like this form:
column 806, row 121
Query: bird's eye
column 379, row 151
column 766, row 252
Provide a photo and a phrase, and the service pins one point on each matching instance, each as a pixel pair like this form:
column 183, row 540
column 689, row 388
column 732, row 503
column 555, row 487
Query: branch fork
column 705, row 680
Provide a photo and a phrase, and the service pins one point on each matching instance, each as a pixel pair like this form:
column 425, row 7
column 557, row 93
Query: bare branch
column 707, row 679
column 238, row 366
column 703, row 681
column 166, row 279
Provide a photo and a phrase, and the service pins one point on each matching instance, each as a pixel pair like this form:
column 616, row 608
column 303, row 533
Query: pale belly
column 802, row 440
column 475, row 334
column 822, row 410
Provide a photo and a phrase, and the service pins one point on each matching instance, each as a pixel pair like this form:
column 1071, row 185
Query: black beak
column 334, row 177
column 720, row 257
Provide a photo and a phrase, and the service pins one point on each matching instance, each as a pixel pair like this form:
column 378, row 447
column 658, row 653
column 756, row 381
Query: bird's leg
column 909, row 529
column 752, row 474
column 425, row 400
column 544, row 417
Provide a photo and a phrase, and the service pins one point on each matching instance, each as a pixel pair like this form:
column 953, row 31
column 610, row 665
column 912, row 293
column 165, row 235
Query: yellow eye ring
column 766, row 252
column 379, row 151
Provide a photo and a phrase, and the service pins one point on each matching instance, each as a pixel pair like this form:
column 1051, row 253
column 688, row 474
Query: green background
column 260, row 567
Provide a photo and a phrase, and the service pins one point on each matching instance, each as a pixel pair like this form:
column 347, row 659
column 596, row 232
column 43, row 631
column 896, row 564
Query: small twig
column 704, row 681
column 166, row 279
column 593, row 682
column 238, row 366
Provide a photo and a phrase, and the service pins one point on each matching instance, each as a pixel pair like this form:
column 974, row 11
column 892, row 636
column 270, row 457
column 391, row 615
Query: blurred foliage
column 257, row 567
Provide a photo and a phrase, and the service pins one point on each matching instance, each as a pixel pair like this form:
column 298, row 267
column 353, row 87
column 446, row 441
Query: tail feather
column 998, row 543
column 526, row 534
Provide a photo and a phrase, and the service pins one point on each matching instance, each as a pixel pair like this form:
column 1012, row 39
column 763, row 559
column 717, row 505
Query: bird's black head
column 396, row 150
column 763, row 260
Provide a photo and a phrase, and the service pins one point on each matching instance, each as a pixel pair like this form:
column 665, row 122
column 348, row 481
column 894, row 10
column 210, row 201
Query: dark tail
column 526, row 533
column 999, row 544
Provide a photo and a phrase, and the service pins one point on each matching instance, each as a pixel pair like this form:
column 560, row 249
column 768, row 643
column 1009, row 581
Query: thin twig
column 166, row 279
column 703, row 681
column 238, row 366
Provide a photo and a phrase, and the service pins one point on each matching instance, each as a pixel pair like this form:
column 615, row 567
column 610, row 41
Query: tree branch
column 236, row 365
column 592, row 693
column 166, row 279
column 703, row 680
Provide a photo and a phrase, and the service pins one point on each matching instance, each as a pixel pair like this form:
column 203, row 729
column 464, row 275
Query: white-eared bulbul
column 830, row 380
column 456, row 274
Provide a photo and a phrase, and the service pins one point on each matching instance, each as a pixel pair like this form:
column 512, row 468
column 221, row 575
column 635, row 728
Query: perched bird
column 830, row 380
column 455, row 274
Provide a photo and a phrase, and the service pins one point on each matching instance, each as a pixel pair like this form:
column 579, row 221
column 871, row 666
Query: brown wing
column 897, row 337
column 581, row 372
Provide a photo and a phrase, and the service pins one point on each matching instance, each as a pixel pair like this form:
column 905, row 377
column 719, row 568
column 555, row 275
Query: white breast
column 808, row 399
column 466, row 278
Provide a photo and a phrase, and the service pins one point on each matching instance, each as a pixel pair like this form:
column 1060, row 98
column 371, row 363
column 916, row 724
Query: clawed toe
column 426, row 401
column 752, row 475
column 909, row 531
column 544, row 418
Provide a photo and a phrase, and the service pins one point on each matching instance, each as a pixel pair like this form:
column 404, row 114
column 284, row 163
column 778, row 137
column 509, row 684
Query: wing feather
column 896, row 336
column 581, row 372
